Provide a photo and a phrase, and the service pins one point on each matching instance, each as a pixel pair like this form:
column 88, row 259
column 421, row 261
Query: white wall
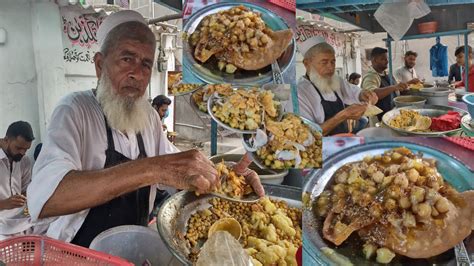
column 18, row 79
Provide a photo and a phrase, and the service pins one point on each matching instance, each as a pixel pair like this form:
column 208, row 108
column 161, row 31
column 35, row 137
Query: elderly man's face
column 324, row 63
column 129, row 68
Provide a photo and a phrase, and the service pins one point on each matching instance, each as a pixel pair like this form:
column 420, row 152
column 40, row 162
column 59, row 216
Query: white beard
column 126, row 114
column 324, row 85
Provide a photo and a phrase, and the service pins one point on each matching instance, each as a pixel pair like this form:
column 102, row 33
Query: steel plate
column 187, row 92
column 254, row 156
column 209, row 73
column 453, row 171
column 428, row 110
column 176, row 211
column 210, row 104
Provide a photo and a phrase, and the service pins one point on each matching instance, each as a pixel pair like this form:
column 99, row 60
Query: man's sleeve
column 25, row 175
column 350, row 93
column 371, row 81
column 310, row 106
column 164, row 145
column 60, row 154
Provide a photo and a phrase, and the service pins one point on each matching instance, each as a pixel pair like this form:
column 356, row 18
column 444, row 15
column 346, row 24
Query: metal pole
column 213, row 137
column 466, row 63
column 294, row 99
column 390, row 69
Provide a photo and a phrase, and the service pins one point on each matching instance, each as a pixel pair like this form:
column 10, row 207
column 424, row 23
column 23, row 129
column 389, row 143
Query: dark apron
column 331, row 109
column 386, row 104
column 128, row 209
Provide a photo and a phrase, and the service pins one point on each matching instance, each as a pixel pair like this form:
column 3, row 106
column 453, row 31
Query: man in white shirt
column 325, row 98
column 84, row 179
column 15, row 175
column 407, row 73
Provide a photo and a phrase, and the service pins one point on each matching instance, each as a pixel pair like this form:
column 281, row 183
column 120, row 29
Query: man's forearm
column 81, row 190
column 332, row 123
column 385, row 91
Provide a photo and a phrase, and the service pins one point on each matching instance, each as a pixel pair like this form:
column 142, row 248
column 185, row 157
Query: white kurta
column 309, row 100
column 76, row 140
column 13, row 181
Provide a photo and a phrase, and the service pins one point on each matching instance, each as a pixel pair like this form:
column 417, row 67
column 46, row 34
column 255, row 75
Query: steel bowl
column 254, row 156
column 428, row 110
column 453, row 171
column 409, row 100
column 174, row 214
column 209, row 73
column 467, row 125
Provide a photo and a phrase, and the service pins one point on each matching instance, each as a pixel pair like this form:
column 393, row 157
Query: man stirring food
column 84, row 178
column 325, row 98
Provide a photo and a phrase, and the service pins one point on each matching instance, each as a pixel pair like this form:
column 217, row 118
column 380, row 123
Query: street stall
column 430, row 106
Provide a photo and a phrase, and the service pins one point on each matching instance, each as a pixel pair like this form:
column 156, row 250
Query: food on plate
column 201, row 96
column 26, row 212
column 291, row 144
column 246, row 109
column 271, row 230
column 183, row 88
column 231, row 185
column 446, row 122
column 397, row 203
column 174, row 79
column 239, row 39
column 416, row 86
column 412, row 120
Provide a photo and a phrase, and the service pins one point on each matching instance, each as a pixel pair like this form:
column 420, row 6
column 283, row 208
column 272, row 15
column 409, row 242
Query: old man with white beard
column 325, row 98
column 105, row 152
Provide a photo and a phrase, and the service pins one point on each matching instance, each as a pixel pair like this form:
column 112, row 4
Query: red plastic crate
column 287, row 4
column 466, row 142
column 41, row 250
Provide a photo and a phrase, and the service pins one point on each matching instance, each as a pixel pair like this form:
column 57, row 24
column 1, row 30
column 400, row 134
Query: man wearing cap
column 378, row 81
column 105, row 154
column 325, row 98
column 15, row 175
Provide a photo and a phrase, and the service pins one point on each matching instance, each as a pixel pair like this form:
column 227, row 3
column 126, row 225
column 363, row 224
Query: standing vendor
column 378, row 81
column 461, row 59
column 15, row 175
column 325, row 98
column 407, row 72
column 104, row 152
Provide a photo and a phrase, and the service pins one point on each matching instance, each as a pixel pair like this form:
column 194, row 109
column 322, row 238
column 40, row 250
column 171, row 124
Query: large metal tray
column 428, row 110
column 453, row 171
column 210, row 74
column 176, row 211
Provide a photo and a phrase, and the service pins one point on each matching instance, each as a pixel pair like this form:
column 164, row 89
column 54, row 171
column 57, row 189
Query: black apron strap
column 110, row 138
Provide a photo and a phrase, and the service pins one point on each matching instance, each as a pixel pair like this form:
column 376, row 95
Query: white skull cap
column 306, row 45
column 116, row 19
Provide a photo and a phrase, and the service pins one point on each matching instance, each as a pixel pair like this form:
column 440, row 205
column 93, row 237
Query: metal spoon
column 276, row 72
column 249, row 198
column 462, row 257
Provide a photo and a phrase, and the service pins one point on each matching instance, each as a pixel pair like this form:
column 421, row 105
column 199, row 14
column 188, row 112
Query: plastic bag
column 396, row 16
column 223, row 249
